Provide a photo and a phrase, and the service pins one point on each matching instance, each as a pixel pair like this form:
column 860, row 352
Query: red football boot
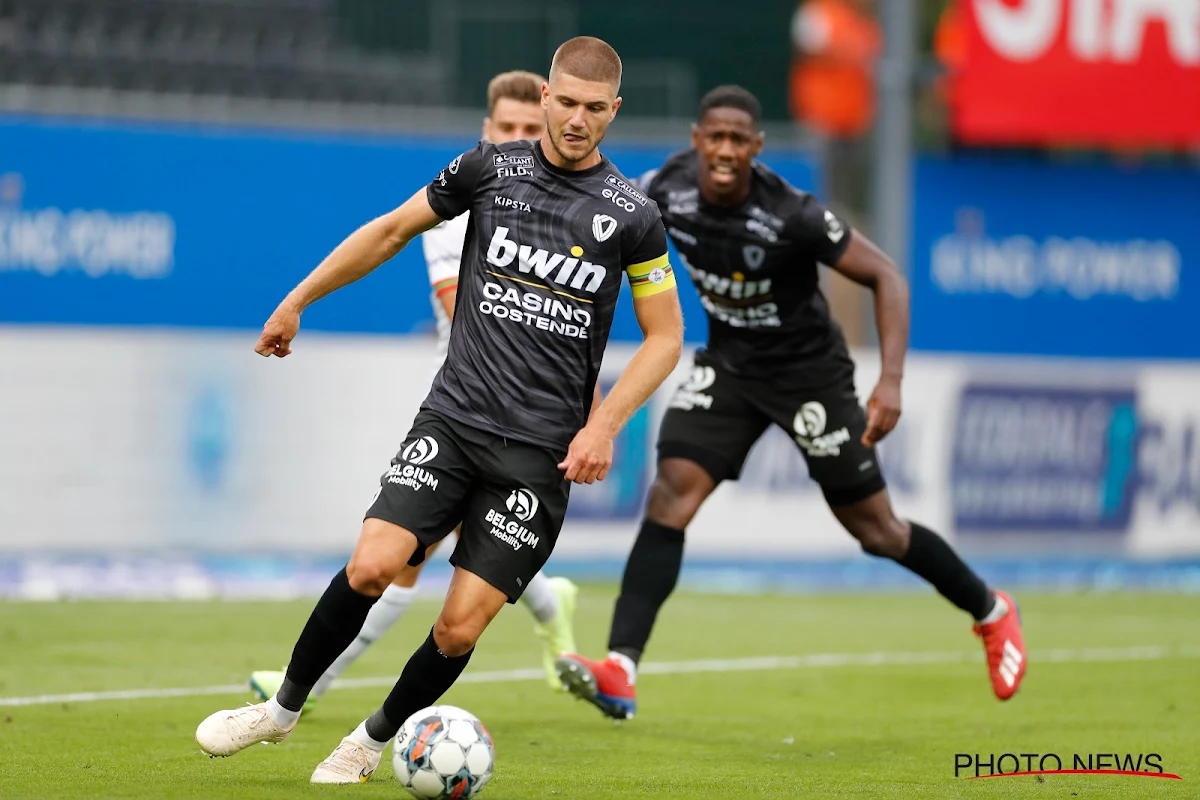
column 1005, row 649
column 604, row 684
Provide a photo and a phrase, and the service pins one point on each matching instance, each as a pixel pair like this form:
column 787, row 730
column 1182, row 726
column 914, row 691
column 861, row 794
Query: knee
column 455, row 636
column 370, row 576
column 884, row 537
column 673, row 502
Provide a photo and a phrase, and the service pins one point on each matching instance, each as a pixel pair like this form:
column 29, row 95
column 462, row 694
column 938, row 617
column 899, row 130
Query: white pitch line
column 812, row 661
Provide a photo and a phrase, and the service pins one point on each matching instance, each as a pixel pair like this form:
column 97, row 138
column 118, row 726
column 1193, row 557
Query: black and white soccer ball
column 443, row 752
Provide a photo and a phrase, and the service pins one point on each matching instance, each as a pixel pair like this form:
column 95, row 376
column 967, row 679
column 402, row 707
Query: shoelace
column 344, row 760
column 243, row 726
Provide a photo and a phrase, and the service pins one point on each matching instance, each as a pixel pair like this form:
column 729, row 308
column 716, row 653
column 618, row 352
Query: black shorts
column 510, row 497
column 715, row 417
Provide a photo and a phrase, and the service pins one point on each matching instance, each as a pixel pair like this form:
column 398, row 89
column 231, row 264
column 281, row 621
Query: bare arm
column 867, row 265
column 597, row 399
column 357, row 256
column 661, row 320
column 449, row 298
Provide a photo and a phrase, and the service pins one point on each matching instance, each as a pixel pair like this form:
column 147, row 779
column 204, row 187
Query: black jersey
column 538, row 284
column 754, row 265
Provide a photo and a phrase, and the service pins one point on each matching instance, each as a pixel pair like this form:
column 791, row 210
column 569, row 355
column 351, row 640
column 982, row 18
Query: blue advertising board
column 1044, row 458
column 1025, row 257
column 124, row 224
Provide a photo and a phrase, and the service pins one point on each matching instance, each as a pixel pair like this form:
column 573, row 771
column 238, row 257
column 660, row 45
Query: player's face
column 578, row 113
column 727, row 141
column 512, row 120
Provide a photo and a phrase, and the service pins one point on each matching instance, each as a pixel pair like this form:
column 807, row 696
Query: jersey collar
column 566, row 173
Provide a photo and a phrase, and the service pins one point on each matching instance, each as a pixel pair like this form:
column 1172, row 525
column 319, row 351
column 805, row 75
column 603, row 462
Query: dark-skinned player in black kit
column 752, row 243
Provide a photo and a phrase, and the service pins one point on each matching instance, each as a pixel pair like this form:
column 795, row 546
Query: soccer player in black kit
column 506, row 426
column 752, row 243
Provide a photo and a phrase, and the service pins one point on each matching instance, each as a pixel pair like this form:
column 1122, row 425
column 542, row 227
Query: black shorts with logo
column 715, row 417
column 510, row 497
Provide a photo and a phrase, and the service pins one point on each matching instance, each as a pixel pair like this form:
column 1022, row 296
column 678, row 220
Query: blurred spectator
column 950, row 49
column 836, row 46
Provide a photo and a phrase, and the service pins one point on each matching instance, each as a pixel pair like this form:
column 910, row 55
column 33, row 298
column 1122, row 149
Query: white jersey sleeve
column 443, row 246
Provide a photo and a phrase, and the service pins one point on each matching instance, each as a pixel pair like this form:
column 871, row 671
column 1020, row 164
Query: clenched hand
column 589, row 456
column 278, row 332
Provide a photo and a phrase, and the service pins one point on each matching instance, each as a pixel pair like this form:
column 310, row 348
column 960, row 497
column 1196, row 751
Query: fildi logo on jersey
column 513, row 166
column 809, row 426
column 523, row 505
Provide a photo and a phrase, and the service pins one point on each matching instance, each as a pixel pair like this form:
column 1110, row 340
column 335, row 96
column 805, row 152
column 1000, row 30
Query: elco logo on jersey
column 523, row 504
column 603, row 227
column 454, row 165
column 834, row 228
column 809, row 425
column 420, row 451
column 571, row 271
column 620, row 202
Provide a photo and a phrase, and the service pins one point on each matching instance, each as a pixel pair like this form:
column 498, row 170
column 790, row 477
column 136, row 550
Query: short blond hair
column 519, row 85
column 589, row 59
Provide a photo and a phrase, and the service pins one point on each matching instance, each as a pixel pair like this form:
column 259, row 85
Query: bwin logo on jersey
column 568, row 271
column 523, row 504
column 753, row 256
column 603, row 226
column 421, row 451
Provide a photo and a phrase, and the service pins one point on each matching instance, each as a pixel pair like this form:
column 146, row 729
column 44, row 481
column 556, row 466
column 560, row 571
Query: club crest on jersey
column 603, row 227
column 753, row 256
column 834, row 228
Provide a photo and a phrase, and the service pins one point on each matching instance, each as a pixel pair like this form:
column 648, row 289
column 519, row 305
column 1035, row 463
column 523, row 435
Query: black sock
column 930, row 557
column 650, row 576
column 335, row 621
column 426, row 677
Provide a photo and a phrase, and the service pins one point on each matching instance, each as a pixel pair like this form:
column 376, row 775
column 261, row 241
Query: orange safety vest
column 833, row 91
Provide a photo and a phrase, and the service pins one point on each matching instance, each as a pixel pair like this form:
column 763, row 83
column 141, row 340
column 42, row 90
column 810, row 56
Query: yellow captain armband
column 651, row 277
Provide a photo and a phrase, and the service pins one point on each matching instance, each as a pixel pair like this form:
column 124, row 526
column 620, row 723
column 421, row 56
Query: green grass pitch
column 830, row 727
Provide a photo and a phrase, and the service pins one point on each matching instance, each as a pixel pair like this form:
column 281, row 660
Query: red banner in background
column 1085, row 72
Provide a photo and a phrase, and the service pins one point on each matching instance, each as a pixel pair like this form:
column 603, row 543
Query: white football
column 443, row 752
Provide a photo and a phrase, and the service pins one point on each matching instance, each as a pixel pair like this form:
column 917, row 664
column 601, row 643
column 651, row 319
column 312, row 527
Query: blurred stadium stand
column 365, row 64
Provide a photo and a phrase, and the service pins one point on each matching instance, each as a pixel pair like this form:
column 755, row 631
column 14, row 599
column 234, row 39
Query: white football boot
column 351, row 762
column 227, row 732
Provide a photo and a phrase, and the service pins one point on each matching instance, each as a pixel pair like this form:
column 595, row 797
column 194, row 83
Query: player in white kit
column 514, row 112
